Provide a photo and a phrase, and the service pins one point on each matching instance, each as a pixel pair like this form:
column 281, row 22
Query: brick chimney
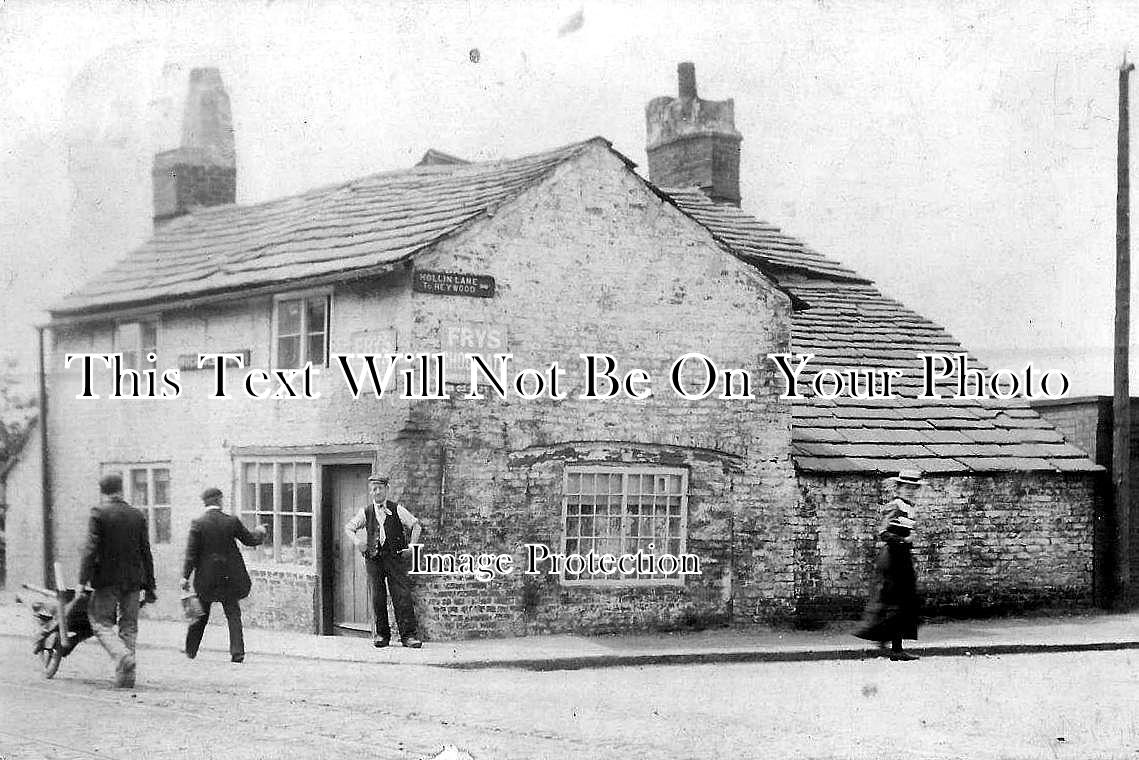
column 694, row 142
column 202, row 170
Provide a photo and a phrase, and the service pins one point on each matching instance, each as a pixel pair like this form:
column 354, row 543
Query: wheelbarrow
column 62, row 623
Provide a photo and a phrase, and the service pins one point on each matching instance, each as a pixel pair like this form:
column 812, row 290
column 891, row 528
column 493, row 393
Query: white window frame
column 124, row 470
column 625, row 471
column 257, row 554
column 303, row 295
column 141, row 363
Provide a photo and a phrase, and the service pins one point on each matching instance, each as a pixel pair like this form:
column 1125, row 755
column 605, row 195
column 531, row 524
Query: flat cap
column 381, row 479
column 211, row 495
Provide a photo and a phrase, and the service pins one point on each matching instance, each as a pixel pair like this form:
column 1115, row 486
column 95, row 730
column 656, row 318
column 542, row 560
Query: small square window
column 301, row 330
column 137, row 342
column 147, row 487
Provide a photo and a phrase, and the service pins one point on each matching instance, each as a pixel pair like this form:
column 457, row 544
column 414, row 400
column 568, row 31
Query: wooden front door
column 346, row 493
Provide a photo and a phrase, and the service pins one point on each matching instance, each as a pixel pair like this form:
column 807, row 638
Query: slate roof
column 848, row 323
column 342, row 230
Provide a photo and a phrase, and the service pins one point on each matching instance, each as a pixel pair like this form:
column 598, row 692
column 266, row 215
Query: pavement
column 1021, row 635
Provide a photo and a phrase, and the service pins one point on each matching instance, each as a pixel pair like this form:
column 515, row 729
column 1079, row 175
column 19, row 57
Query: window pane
column 286, row 530
column 161, row 477
column 148, row 343
column 126, row 336
column 138, row 488
column 304, row 497
column 289, row 317
column 265, row 495
column 314, row 315
column 161, row 516
column 285, row 481
column 289, row 352
column 314, row 349
column 304, row 487
column 265, row 550
column 149, row 335
column 303, row 472
column 249, row 488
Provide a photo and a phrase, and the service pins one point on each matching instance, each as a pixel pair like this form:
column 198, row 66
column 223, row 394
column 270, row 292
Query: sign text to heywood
column 453, row 284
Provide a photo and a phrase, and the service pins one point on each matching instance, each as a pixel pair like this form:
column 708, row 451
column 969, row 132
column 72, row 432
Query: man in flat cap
column 219, row 571
column 118, row 565
column 382, row 531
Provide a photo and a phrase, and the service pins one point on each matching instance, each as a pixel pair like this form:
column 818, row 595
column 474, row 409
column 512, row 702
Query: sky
column 960, row 154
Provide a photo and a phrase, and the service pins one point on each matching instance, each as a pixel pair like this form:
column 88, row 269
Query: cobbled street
column 1072, row 705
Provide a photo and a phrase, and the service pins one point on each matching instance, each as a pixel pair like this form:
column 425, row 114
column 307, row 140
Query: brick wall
column 984, row 543
column 283, row 599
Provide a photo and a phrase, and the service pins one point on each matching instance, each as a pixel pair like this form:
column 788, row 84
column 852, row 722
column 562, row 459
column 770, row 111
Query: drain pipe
column 45, row 471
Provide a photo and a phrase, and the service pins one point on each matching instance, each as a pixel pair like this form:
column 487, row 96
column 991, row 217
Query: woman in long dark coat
column 892, row 613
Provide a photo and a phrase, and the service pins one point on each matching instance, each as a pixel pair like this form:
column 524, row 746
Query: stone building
column 545, row 257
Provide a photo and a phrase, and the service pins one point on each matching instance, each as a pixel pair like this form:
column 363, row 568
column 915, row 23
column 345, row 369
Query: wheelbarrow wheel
column 49, row 660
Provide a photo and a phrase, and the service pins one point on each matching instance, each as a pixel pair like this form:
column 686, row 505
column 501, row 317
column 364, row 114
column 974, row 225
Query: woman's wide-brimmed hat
column 908, row 477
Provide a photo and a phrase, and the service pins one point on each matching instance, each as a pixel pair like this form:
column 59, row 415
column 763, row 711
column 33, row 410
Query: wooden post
column 1121, row 412
column 61, row 604
column 45, row 467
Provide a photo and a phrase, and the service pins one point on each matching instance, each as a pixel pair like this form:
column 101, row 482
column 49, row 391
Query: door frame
column 326, row 563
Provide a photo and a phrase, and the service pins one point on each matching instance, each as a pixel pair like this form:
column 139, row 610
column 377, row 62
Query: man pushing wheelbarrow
column 118, row 567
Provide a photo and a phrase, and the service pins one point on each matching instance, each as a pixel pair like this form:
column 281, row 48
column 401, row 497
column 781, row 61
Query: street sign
column 453, row 284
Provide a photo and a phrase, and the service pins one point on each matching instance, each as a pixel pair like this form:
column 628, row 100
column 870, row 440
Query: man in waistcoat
column 382, row 531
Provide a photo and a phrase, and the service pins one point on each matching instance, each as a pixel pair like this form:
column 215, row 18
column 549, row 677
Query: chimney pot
column 686, row 74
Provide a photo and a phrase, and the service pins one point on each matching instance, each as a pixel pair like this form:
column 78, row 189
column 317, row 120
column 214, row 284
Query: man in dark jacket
column 219, row 571
column 117, row 564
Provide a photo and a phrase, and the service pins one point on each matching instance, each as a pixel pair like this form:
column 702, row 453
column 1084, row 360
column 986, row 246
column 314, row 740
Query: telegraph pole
column 1121, row 408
